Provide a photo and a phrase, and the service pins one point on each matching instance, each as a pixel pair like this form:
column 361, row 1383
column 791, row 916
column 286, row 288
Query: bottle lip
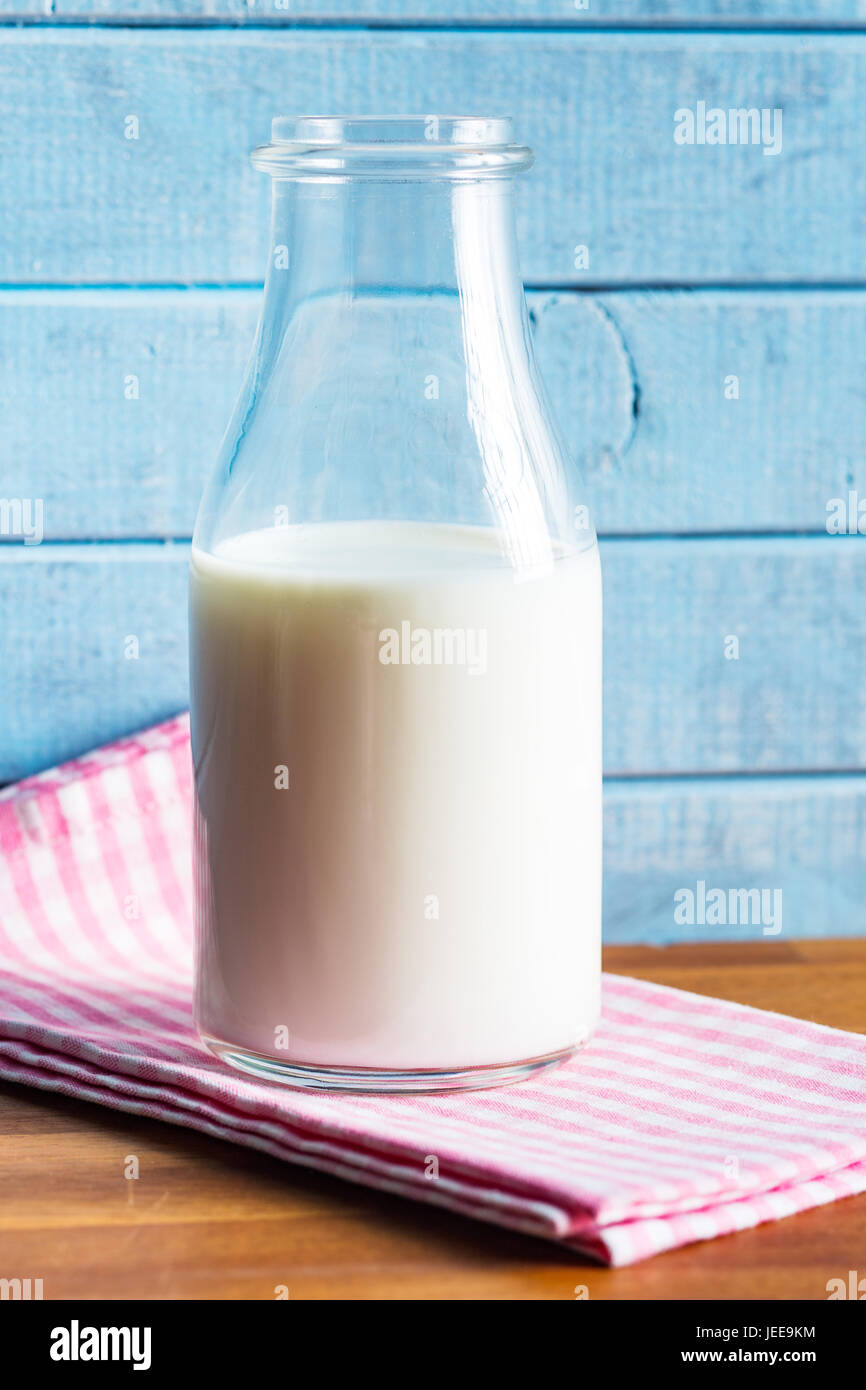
column 398, row 147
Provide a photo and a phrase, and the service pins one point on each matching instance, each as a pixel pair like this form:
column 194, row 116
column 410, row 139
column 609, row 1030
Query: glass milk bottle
column 395, row 642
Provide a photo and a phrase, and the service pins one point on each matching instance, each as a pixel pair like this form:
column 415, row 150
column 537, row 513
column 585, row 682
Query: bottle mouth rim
column 398, row 147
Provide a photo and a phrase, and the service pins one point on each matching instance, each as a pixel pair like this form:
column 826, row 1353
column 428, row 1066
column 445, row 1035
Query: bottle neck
column 393, row 369
column 348, row 237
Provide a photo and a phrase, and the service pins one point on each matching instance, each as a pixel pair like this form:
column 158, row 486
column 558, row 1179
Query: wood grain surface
column 91, row 199
column 139, row 385
column 135, row 261
column 792, row 699
column 580, row 14
column 558, row 14
column 207, row 1221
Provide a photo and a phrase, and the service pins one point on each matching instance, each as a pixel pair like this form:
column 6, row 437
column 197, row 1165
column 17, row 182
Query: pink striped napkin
column 685, row 1117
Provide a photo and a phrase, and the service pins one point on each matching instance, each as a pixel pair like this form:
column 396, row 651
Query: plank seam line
column 520, row 27
column 665, row 536
column 14, row 545
column 623, row 287
column 745, row 775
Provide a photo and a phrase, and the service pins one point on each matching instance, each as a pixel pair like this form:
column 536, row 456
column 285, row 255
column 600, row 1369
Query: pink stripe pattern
column 684, row 1119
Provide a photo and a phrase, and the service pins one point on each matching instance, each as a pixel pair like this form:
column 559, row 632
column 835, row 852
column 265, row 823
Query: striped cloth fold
column 684, row 1118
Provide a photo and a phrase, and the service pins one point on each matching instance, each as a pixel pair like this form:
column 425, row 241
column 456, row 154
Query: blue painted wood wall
column 138, row 260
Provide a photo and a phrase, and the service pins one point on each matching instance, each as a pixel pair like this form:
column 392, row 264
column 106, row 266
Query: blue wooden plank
column 710, row 411
column 680, row 694
column 84, row 203
column 139, row 387
column 799, row 839
column 441, row 12
column 71, row 679
column 92, row 643
column 734, row 655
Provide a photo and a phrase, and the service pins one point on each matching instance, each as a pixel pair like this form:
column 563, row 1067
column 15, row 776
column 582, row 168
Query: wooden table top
column 209, row 1220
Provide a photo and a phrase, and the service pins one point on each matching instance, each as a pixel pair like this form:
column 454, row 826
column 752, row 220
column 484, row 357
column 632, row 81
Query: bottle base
column 370, row 1080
